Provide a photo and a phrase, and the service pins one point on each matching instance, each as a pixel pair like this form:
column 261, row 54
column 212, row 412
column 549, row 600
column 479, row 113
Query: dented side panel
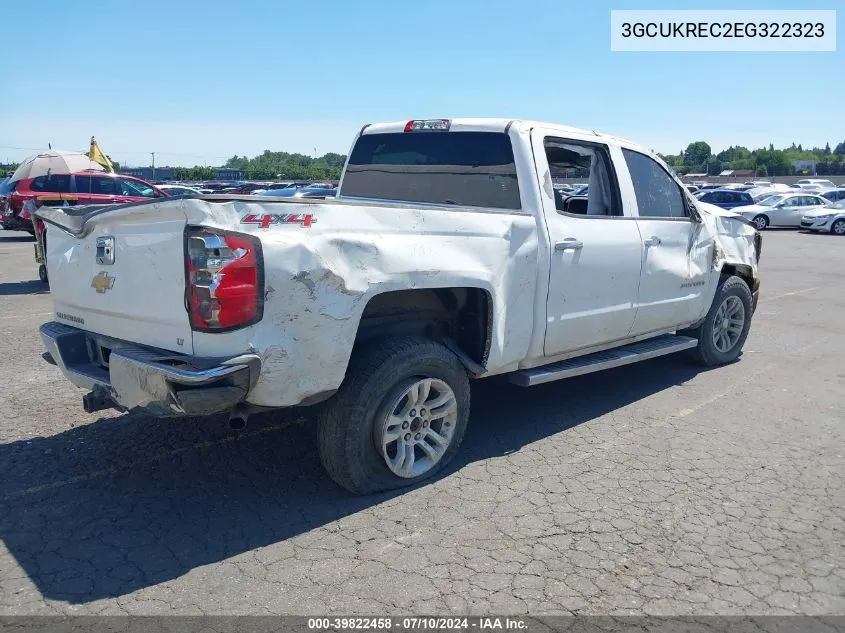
column 321, row 272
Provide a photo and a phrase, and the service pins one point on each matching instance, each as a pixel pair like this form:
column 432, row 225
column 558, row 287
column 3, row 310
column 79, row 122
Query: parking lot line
column 18, row 317
column 790, row 294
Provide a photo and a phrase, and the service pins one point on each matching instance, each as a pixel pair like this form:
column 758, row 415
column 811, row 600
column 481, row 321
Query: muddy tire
column 723, row 332
column 397, row 419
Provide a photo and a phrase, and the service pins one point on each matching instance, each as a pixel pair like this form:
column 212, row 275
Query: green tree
column 697, row 154
column 762, row 170
column 714, row 166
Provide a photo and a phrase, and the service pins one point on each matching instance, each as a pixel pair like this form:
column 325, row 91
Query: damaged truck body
column 447, row 255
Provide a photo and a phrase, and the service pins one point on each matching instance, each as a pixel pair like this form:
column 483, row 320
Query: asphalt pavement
column 654, row 488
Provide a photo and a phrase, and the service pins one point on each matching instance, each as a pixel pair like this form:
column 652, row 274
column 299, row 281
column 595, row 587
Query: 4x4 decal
column 305, row 220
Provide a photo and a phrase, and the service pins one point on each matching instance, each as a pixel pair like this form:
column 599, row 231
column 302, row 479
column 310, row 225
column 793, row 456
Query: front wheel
column 725, row 328
column 760, row 222
column 397, row 419
column 838, row 227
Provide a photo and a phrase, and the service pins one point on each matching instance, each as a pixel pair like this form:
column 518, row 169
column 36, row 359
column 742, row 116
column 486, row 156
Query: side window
column 590, row 163
column 104, row 186
column 83, row 184
column 59, row 183
column 658, row 195
column 136, row 188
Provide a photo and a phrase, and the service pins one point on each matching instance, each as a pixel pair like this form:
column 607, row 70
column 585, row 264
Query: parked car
column 692, row 188
column 301, row 192
column 726, row 198
column 833, row 194
column 830, row 219
column 80, row 188
column 179, row 190
column 781, row 210
column 381, row 305
column 759, row 183
column 244, row 188
column 821, row 182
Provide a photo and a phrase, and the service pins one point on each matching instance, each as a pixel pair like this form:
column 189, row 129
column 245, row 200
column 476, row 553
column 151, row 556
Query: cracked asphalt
column 657, row 488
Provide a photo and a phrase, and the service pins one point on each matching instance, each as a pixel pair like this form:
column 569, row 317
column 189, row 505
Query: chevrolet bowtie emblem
column 102, row 282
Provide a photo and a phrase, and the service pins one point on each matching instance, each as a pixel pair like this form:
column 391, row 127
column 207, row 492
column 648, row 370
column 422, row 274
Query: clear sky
column 197, row 82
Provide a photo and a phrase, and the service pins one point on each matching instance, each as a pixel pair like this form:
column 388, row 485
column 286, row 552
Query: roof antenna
column 49, row 146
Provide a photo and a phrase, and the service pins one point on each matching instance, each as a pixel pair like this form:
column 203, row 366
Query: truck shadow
column 110, row 507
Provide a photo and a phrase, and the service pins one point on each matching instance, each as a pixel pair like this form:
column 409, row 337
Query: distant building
column 146, row 173
column 229, row 173
column 168, row 173
column 800, row 166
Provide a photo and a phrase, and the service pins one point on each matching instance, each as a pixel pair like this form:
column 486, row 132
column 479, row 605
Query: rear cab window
column 474, row 169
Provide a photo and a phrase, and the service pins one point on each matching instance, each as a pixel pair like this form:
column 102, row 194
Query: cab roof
column 503, row 125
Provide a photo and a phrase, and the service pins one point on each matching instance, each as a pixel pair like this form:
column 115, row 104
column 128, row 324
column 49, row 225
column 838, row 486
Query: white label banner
column 711, row 30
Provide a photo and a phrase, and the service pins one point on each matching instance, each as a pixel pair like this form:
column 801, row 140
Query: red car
column 85, row 187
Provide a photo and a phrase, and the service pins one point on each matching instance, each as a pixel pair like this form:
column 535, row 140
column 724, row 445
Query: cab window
column 658, row 195
column 136, row 188
column 590, row 163
column 57, row 183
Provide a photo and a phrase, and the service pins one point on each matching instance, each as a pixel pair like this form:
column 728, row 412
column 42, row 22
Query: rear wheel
column 397, row 419
column 838, row 227
column 724, row 330
column 42, row 273
column 760, row 222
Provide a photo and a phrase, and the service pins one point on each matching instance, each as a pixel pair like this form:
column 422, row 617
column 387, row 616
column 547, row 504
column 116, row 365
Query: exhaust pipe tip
column 93, row 402
column 239, row 417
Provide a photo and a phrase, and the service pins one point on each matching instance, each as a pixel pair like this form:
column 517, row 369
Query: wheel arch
column 460, row 317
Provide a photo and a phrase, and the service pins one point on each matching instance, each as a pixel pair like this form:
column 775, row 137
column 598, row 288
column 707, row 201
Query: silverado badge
column 102, row 282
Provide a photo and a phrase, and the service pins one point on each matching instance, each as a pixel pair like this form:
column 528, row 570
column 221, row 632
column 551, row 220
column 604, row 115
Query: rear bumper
column 126, row 376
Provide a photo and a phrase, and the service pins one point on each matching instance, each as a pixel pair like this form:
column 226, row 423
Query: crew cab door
column 676, row 248
column 596, row 250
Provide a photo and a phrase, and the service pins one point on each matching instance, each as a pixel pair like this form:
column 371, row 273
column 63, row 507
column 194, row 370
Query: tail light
column 225, row 284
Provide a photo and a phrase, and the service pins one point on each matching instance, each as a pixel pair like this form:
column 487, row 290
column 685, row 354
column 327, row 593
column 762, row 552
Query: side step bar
column 633, row 353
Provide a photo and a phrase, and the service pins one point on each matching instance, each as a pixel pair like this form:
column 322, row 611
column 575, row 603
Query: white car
column 822, row 183
column 179, row 190
column 781, row 209
column 834, row 195
column 445, row 256
column 830, row 219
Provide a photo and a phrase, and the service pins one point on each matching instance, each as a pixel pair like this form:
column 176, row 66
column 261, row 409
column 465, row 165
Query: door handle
column 653, row 241
column 569, row 244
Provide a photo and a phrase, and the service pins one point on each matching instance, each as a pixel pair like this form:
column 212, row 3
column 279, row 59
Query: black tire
column 706, row 353
column 42, row 273
column 760, row 222
column 838, row 227
column 347, row 422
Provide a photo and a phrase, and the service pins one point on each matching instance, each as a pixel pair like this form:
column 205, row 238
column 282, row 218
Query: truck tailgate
column 125, row 276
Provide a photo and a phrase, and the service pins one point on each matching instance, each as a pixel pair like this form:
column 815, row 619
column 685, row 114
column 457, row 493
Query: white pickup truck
column 448, row 255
